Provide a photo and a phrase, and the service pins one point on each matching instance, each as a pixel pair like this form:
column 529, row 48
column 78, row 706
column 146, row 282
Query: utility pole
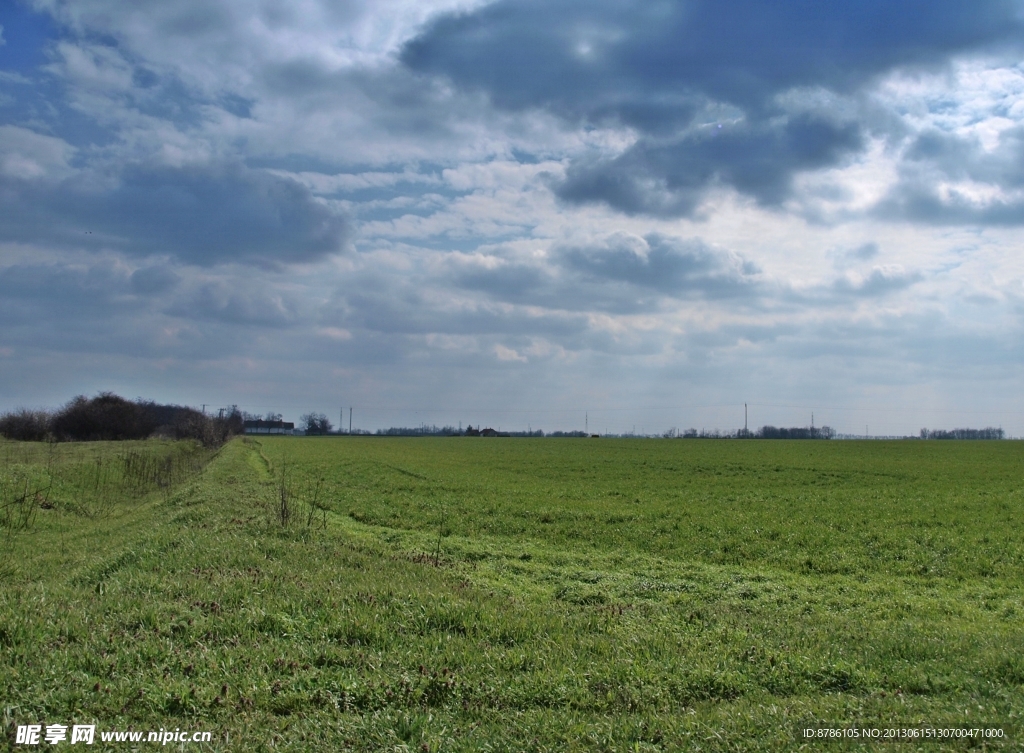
column 204, row 409
column 341, row 419
column 350, row 419
column 745, row 418
column 586, row 423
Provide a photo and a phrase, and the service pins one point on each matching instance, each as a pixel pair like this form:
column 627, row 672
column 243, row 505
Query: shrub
column 110, row 417
column 25, row 425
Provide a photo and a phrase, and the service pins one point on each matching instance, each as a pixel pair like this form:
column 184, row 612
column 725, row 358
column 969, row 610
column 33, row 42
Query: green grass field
column 514, row 594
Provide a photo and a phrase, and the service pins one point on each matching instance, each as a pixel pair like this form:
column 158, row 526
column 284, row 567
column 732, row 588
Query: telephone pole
column 350, row 419
column 744, row 418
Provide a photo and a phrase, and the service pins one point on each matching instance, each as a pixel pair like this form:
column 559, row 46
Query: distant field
column 517, row 594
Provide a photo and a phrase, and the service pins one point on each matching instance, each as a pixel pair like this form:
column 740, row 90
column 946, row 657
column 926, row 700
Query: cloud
column 864, row 252
column 619, row 273
column 672, row 266
column 846, row 257
column 239, row 39
column 659, row 178
column 201, row 214
column 711, row 90
column 155, row 279
column 508, row 354
column 880, row 281
column 46, row 291
column 513, row 201
column 594, row 58
column 27, row 155
column 948, row 178
column 237, row 301
column 507, row 281
column 401, row 311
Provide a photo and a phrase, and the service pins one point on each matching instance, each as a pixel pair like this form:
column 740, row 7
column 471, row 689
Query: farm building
column 259, row 426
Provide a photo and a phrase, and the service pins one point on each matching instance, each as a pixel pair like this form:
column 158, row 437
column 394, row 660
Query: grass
column 473, row 594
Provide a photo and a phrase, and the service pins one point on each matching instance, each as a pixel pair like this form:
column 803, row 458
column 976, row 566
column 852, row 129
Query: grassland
column 474, row 594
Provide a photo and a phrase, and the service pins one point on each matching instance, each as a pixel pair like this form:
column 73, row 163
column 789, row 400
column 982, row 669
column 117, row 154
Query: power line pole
column 744, row 418
column 350, row 419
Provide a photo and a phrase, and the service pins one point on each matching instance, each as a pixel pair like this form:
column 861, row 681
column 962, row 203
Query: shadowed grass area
column 460, row 594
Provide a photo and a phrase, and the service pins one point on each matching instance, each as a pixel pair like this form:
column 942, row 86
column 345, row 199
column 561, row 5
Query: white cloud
column 508, row 354
column 334, row 333
column 29, row 155
column 92, row 67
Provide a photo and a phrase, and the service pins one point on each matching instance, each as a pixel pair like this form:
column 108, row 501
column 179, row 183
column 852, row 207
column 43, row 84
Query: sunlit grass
column 528, row 595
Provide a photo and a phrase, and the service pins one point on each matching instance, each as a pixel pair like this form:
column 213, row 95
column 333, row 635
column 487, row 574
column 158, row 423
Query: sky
column 519, row 213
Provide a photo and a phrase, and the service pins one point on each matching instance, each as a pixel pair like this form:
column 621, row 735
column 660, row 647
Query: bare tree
column 315, row 423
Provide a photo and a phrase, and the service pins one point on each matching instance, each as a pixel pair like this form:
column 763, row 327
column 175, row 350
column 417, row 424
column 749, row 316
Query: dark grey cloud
column 71, row 307
column 200, row 214
column 936, row 157
column 36, row 292
column 395, row 326
column 509, row 282
column 620, row 274
column 671, row 266
column 404, row 311
column 920, row 202
column 237, row 301
column 587, row 58
column 155, row 279
column 156, row 312
column 670, row 178
column 675, row 71
column 555, row 288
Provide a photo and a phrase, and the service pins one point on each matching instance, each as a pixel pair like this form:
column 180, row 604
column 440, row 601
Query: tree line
column 986, row 433
column 111, row 417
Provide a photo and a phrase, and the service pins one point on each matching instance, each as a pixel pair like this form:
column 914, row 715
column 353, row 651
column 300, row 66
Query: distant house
column 259, row 426
column 471, row 432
